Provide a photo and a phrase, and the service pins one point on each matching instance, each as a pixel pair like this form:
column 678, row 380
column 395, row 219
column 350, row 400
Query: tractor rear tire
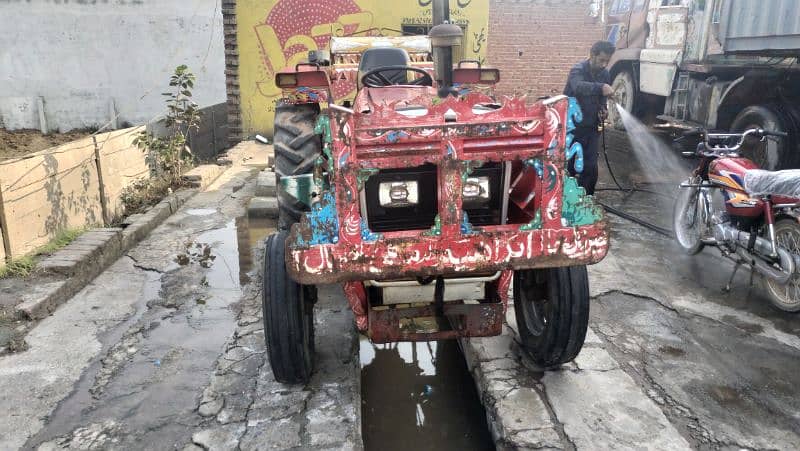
column 297, row 148
column 552, row 310
column 288, row 310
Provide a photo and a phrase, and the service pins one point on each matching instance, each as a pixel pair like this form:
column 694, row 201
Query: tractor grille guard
column 555, row 223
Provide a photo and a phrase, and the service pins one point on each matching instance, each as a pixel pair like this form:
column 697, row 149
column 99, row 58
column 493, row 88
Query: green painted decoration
column 536, row 224
column 323, row 128
column 578, row 209
column 436, row 230
column 363, row 175
column 302, row 187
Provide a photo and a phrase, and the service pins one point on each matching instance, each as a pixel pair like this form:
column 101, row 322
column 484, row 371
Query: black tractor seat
column 782, row 183
column 382, row 57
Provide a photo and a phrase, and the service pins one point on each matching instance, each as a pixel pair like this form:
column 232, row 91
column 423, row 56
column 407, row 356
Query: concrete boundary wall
column 83, row 63
column 73, row 185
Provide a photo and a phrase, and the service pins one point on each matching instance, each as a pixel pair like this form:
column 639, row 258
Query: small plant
column 144, row 193
column 18, row 267
column 23, row 266
column 169, row 156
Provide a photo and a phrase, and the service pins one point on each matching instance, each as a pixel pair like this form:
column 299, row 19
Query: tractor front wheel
column 552, row 309
column 288, row 316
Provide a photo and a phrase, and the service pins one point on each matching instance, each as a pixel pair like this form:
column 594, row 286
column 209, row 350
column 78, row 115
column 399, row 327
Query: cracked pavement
column 165, row 349
column 670, row 360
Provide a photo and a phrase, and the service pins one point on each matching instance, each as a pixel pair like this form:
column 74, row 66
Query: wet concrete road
column 723, row 367
column 165, row 351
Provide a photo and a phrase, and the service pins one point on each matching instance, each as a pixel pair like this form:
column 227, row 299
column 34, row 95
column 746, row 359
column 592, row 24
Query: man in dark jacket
column 589, row 82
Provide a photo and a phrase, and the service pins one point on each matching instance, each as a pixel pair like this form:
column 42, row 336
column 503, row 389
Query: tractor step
column 421, row 323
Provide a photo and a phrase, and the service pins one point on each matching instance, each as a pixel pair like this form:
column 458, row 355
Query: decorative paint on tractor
column 305, row 94
column 323, row 221
column 536, row 224
column 503, row 284
column 392, row 258
column 579, row 209
column 356, row 296
column 367, row 235
column 575, row 150
column 559, row 227
column 436, row 229
column 466, row 227
column 574, row 114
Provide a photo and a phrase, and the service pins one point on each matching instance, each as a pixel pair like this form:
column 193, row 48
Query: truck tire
column 296, row 150
column 552, row 310
column 774, row 153
column 288, row 310
column 625, row 91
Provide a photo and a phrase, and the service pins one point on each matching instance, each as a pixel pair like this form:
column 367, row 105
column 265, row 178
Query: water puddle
column 420, row 396
column 249, row 234
column 200, row 211
column 227, row 266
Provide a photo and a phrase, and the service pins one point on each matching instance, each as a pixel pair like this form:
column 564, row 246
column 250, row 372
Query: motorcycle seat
column 781, row 183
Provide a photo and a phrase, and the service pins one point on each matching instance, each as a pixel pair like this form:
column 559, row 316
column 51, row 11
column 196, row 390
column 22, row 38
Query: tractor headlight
column 476, row 190
column 398, row 194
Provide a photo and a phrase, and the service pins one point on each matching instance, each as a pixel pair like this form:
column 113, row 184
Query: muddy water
column 249, row 233
column 420, row 396
column 146, row 379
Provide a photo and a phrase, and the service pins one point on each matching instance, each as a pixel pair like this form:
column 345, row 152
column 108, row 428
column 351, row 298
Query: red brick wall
column 552, row 35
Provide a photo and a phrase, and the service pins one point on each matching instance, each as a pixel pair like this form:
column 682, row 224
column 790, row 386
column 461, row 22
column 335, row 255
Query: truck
column 432, row 202
column 718, row 64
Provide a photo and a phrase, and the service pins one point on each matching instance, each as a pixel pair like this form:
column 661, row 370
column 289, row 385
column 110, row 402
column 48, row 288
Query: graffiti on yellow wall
column 275, row 34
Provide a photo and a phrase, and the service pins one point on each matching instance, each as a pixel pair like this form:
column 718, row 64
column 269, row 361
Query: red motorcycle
column 759, row 225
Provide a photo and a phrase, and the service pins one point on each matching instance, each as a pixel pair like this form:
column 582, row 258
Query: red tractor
column 425, row 197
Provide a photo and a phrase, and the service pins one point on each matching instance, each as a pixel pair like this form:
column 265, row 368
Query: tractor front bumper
column 490, row 249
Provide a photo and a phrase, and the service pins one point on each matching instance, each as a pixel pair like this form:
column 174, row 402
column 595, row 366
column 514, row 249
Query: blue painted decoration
column 323, row 220
column 366, row 234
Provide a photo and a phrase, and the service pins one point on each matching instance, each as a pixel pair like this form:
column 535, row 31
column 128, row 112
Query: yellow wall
column 274, row 34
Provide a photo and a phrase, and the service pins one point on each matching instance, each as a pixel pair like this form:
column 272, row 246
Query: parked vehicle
column 759, row 224
column 424, row 198
column 718, row 64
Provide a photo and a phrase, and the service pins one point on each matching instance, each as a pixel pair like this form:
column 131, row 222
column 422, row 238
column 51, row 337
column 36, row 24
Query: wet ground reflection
column 420, row 396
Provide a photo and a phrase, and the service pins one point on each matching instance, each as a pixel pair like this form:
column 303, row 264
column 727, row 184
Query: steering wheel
column 376, row 78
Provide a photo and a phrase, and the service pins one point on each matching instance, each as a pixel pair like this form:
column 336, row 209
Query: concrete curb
column 263, row 207
column 73, row 267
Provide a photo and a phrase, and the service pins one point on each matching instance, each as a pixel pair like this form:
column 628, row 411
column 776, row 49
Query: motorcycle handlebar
column 773, row 133
column 724, row 143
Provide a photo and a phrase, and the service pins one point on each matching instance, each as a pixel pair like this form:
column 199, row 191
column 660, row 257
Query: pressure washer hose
column 620, row 213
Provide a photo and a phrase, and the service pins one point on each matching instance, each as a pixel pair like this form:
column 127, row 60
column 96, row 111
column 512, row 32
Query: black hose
column 642, row 222
column 620, row 213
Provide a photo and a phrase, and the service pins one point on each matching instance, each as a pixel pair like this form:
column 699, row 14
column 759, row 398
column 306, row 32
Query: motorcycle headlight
column 398, row 194
column 476, row 190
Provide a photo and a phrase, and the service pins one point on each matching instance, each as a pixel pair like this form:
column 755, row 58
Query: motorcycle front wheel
column 786, row 297
column 688, row 218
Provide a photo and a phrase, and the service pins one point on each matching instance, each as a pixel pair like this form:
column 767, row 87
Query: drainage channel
column 420, row 396
column 413, row 395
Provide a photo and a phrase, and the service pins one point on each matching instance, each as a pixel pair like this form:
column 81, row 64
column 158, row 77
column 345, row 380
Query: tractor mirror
column 474, row 75
column 303, row 76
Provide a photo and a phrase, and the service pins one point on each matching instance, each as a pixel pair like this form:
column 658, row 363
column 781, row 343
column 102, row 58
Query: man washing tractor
column 589, row 82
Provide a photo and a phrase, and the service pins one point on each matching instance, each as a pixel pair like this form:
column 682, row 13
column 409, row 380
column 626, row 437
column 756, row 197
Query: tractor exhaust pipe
column 444, row 36
column 741, row 240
